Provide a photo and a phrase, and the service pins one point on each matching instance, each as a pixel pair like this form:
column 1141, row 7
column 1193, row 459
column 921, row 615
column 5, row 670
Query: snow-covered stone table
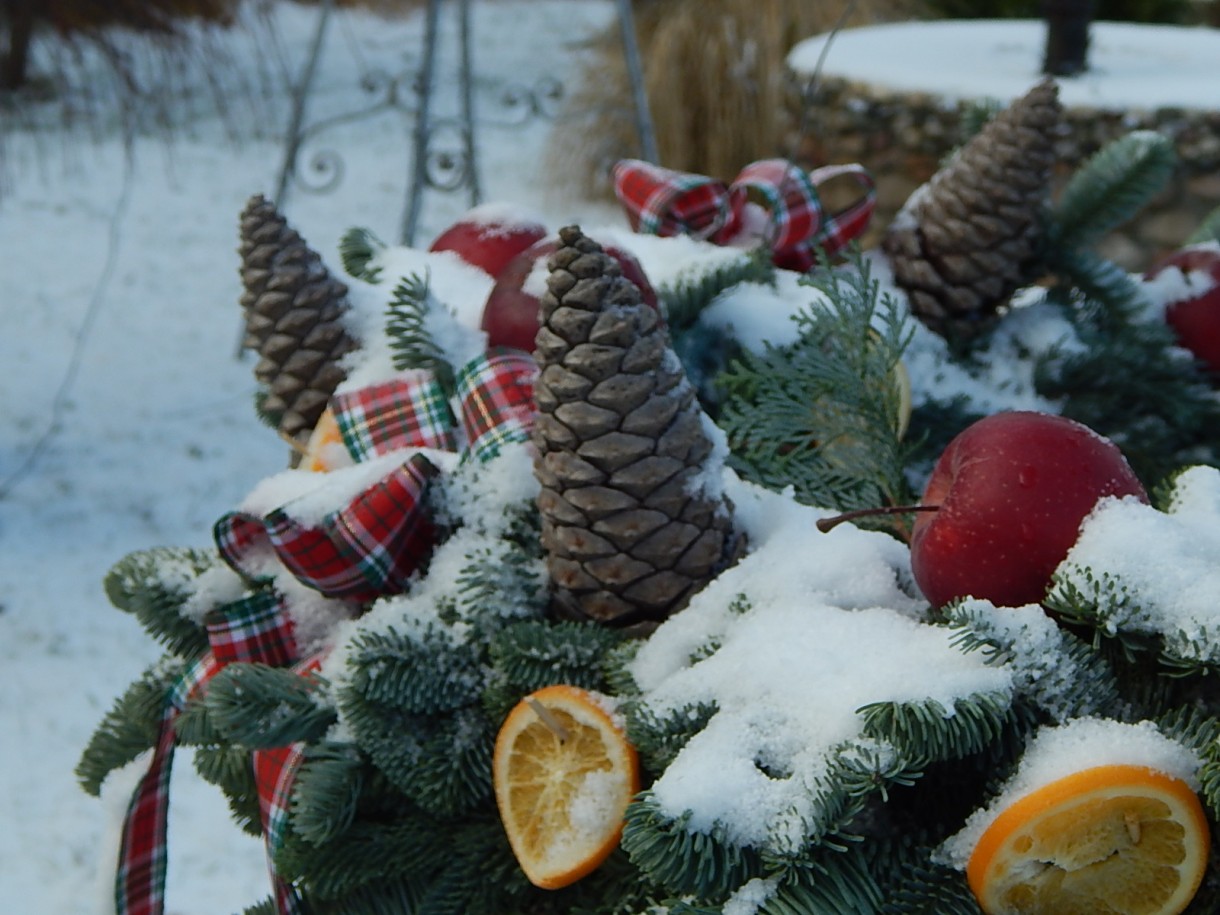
column 893, row 97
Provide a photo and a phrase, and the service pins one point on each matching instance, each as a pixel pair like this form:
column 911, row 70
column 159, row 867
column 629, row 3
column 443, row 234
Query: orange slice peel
column 1108, row 839
column 563, row 773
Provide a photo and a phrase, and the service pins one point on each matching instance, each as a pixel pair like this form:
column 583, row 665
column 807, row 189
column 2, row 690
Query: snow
column 1166, row 562
column 129, row 423
column 1057, row 752
column 1130, row 66
column 816, row 607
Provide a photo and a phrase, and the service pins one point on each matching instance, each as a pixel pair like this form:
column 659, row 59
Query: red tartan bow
column 370, row 546
column 771, row 201
column 367, row 548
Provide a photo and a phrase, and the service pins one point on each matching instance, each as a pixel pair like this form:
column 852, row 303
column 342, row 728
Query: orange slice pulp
column 1110, row 840
column 563, row 773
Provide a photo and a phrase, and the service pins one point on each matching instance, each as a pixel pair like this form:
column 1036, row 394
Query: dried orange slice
column 325, row 450
column 563, row 773
column 1110, row 839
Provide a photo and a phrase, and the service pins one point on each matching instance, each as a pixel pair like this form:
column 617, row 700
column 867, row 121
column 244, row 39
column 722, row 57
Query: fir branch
column 393, row 740
column 232, row 770
column 822, row 415
column 267, row 907
column 1192, row 727
column 659, row 738
column 683, row 860
column 1127, row 381
column 132, row 726
column 1209, row 778
column 419, row 676
column 921, row 887
column 408, row 848
column 534, row 653
column 326, row 792
column 684, row 301
column 926, row 731
column 976, row 115
column 862, row 770
column 263, row 707
column 358, row 247
column 1069, row 680
column 193, row 727
column 453, row 774
column 832, row 882
column 385, row 897
column 500, row 582
column 1208, row 230
column 481, row 876
column 1110, row 188
column 154, row 585
column 411, row 344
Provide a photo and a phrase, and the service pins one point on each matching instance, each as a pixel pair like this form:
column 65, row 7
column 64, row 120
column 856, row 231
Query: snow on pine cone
column 294, row 319
column 971, row 236
column 629, row 531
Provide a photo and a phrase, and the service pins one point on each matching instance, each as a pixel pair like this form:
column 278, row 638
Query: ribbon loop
column 793, row 221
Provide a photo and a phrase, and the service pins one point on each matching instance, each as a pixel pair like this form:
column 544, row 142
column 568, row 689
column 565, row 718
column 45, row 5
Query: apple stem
column 829, row 524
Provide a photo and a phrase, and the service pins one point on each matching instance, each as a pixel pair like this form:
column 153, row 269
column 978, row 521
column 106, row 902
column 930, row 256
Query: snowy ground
column 125, row 287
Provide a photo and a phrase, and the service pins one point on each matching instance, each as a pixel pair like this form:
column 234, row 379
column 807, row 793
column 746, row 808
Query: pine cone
column 629, row 530
column 969, row 238
column 293, row 309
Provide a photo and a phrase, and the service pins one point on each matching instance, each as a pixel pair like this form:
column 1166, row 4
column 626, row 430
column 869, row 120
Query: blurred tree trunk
column 1067, row 36
column 18, row 18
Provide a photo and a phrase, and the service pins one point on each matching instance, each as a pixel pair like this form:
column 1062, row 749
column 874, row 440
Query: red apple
column 489, row 236
column 1195, row 316
column 1011, row 491
column 510, row 316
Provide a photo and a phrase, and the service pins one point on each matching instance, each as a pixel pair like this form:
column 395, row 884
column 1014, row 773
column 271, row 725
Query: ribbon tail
column 140, row 878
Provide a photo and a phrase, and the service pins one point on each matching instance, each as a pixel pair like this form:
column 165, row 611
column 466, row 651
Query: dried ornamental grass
column 716, row 81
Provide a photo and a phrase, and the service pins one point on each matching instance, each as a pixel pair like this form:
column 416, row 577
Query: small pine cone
column 293, row 309
column 969, row 238
column 629, row 531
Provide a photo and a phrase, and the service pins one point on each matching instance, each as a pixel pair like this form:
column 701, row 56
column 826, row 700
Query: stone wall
column 902, row 137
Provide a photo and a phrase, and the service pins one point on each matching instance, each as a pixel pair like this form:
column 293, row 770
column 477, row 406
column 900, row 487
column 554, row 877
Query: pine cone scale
column 987, row 201
column 294, row 312
column 618, row 437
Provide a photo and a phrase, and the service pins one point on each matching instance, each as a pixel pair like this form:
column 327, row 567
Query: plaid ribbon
column 275, row 771
column 374, row 543
column 255, row 628
column 660, row 201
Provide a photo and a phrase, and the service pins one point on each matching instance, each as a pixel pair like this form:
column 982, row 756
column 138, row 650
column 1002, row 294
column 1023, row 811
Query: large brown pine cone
column 629, row 529
column 969, row 238
column 294, row 319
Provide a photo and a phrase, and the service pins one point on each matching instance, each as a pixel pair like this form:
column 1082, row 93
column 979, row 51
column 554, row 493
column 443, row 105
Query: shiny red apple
column 1010, row 492
column 510, row 316
column 490, row 236
column 1195, row 315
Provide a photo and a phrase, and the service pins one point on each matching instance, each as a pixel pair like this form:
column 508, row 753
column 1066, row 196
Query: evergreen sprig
column 262, row 707
column 326, row 792
column 683, row 301
column 684, row 861
column 823, row 415
column 1208, row 230
column 132, row 725
column 427, row 675
column 926, row 731
column 154, row 585
column 358, row 248
column 230, row 769
column 1127, row 381
column 412, row 345
column 1109, row 188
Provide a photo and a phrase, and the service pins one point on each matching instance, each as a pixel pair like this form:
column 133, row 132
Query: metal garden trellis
column 433, row 166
